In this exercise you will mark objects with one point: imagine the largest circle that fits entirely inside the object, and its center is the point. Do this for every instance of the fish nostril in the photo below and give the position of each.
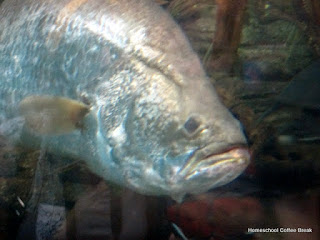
(192, 124)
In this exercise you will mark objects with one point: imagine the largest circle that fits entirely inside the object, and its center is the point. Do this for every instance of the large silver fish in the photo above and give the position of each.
(143, 113)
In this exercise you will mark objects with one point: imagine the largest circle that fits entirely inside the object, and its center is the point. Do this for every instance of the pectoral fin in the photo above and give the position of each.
(51, 114)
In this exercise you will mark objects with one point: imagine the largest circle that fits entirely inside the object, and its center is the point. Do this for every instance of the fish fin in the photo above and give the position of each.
(51, 115)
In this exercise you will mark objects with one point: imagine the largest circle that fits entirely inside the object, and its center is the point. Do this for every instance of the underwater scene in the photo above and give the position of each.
(160, 119)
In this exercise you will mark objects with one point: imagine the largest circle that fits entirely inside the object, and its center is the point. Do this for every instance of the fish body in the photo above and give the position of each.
(153, 122)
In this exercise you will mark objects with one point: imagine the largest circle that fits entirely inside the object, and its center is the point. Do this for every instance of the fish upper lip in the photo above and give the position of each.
(225, 150)
(206, 155)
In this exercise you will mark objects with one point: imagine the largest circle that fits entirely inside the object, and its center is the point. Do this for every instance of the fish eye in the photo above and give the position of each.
(192, 124)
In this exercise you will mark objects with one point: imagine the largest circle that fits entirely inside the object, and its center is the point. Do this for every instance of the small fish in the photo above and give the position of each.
(21, 202)
(116, 83)
(302, 91)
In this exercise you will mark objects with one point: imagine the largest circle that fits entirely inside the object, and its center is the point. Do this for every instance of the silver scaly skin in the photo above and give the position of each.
(155, 123)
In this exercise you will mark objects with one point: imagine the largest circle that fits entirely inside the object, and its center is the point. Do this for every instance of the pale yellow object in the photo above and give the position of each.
(52, 115)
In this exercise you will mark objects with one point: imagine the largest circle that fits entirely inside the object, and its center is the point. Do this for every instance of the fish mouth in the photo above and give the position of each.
(204, 159)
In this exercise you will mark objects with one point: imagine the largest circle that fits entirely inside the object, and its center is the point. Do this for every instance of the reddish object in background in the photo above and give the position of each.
(308, 13)
(312, 9)
(218, 217)
(299, 212)
(316, 7)
(226, 39)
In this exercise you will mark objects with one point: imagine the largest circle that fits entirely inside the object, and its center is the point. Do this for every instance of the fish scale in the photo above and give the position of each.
(114, 83)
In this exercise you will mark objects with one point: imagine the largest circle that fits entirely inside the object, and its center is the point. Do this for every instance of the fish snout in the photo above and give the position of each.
(226, 164)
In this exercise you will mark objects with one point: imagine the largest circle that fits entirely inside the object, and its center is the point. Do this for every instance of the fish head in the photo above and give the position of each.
(178, 138)
(214, 137)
